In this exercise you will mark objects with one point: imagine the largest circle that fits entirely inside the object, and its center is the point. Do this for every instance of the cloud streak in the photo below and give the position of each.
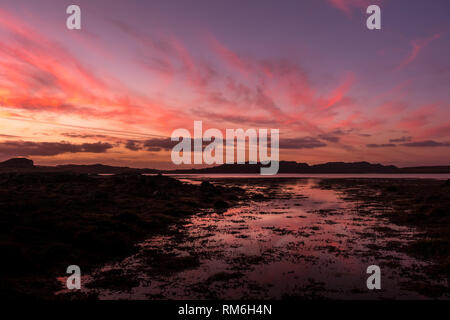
(30, 148)
(426, 144)
(402, 139)
(417, 46)
(383, 145)
(347, 6)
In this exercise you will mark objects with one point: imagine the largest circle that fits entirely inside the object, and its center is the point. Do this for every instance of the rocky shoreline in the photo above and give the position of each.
(52, 220)
(418, 203)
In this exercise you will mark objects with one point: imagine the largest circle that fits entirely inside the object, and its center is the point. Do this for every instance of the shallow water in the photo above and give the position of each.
(437, 176)
(304, 242)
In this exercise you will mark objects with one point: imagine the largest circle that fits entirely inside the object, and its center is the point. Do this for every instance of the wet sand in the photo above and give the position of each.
(294, 239)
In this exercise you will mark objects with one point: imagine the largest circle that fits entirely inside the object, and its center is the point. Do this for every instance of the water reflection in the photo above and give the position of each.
(304, 242)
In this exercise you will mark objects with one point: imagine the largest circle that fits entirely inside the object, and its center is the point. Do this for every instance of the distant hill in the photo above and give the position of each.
(295, 167)
(352, 167)
(27, 165)
(19, 163)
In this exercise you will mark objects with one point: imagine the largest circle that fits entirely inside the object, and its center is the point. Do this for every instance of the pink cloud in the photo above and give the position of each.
(347, 6)
(230, 57)
(419, 118)
(340, 92)
(40, 76)
(416, 47)
(391, 108)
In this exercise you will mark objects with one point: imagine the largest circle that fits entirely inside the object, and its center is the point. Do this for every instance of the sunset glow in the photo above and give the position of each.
(114, 91)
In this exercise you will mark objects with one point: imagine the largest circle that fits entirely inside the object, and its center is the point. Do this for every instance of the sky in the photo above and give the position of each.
(114, 91)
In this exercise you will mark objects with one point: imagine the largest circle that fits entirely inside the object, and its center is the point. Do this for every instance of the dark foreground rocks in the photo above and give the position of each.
(49, 221)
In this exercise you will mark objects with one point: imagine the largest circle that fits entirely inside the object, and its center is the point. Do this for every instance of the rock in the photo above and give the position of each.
(84, 239)
(21, 163)
(206, 185)
(128, 217)
(258, 196)
(439, 212)
(392, 189)
(13, 259)
(220, 204)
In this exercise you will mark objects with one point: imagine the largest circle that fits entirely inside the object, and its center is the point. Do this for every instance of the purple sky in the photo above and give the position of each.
(336, 90)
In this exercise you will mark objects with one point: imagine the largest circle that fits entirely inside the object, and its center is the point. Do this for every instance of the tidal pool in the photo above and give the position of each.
(293, 240)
